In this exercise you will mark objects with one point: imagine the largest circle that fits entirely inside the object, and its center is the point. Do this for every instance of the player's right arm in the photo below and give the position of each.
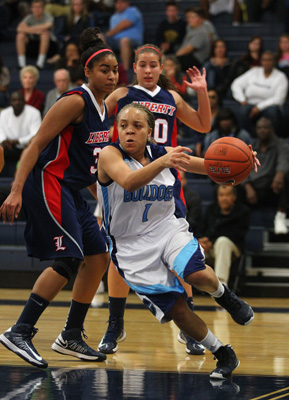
(111, 166)
(112, 99)
(67, 110)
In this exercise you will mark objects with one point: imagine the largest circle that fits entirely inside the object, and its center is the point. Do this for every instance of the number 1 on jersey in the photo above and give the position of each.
(145, 213)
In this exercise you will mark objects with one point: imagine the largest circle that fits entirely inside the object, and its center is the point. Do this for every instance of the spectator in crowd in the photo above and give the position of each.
(62, 84)
(29, 76)
(71, 62)
(254, 10)
(73, 24)
(218, 67)
(58, 8)
(223, 231)
(196, 45)
(270, 187)
(194, 211)
(282, 54)
(226, 125)
(126, 30)
(34, 35)
(18, 124)
(261, 91)
(252, 58)
(171, 30)
(172, 70)
(215, 8)
(4, 83)
(215, 105)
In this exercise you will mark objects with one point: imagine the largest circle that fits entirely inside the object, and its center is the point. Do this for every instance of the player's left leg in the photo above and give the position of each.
(70, 341)
(195, 327)
(192, 347)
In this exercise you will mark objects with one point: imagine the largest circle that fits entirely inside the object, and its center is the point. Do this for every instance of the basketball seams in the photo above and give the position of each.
(231, 170)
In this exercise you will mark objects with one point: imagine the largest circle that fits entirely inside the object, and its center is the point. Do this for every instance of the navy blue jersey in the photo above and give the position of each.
(162, 104)
(72, 156)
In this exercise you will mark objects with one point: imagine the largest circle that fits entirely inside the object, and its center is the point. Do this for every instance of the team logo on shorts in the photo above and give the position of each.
(58, 243)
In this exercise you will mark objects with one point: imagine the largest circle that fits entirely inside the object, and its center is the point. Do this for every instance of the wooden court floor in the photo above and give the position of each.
(150, 363)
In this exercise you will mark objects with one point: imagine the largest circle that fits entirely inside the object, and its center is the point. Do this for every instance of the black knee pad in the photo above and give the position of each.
(66, 267)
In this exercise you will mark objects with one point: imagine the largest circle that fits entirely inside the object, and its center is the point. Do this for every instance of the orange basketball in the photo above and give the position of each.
(228, 161)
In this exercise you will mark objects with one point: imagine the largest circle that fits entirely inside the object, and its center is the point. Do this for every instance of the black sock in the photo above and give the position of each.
(190, 303)
(76, 315)
(116, 306)
(33, 309)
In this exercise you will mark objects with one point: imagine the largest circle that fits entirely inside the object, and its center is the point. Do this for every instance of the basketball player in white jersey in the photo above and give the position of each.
(148, 243)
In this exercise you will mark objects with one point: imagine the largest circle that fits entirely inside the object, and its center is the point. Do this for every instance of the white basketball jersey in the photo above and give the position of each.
(128, 214)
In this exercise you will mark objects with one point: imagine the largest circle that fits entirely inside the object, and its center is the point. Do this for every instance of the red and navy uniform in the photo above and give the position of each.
(59, 220)
(162, 104)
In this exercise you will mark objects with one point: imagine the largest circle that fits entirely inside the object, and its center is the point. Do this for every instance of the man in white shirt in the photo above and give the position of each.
(18, 124)
(261, 91)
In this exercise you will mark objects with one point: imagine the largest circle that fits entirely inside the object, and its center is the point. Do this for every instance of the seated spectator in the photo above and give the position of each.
(193, 205)
(62, 83)
(252, 58)
(218, 67)
(173, 71)
(196, 46)
(282, 54)
(226, 125)
(73, 24)
(254, 10)
(270, 186)
(34, 36)
(57, 8)
(223, 231)
(215, 104)
(215, 8)
(71, 62)
(29, 77)
(18, 124)
(171, 30)
(126, 30)
(261, 91)
(4, 83)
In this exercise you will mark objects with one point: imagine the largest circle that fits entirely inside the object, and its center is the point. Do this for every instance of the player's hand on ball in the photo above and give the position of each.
(255, 159)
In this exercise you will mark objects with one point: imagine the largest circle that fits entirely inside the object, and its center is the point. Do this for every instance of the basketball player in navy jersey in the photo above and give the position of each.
(156, 92)
(135, 191)
(60, 161)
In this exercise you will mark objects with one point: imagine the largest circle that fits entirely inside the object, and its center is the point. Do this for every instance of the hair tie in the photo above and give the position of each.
(149, 47)
(95, 54)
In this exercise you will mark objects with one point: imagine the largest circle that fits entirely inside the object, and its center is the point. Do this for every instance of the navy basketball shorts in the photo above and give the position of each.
(59, 220)
(147, 263)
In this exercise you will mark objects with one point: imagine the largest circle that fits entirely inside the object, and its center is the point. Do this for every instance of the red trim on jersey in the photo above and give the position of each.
(182, 196)
(74, 91)
(115, 131)
(174, 134)
(55, 171)
(52, 192)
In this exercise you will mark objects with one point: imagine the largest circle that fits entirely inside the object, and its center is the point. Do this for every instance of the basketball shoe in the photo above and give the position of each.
(115, 333)
(227, 362)
(192, 347)
(70, 342)
(240, 311)
(18, 339)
